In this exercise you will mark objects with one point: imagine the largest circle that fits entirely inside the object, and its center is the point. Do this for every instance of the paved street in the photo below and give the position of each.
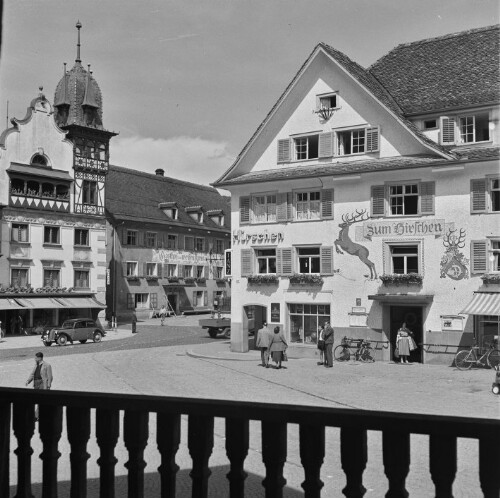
(198, 366)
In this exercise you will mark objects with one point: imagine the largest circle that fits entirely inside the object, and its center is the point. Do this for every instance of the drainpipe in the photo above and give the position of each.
(114, 320)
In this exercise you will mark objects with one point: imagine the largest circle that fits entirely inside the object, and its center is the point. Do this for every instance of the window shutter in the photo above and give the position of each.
(180, 271)
(478, 199)
(282, 207)
(124, 269)
(205, 271)
(195, 299)
(284, 150)
(144, 269)
(327, 204)
(205, 298)
(479, 256)
(372, 139)
(180, 241)
(326, 260)
(141, 238)
(447, 131)
(124, 236)
(130, 301)
(244, 210)
(165, 270)
(158, 270)
(427, 196)
(246, 262)
(378, 200)
(284, 260)
(326, 144)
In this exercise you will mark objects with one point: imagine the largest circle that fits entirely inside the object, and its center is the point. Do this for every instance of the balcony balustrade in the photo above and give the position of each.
(17, 419)
(84, 163)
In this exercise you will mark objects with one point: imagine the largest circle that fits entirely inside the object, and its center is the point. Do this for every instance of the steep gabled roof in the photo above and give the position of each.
(135, 195)
(366, 80)
(456, 70)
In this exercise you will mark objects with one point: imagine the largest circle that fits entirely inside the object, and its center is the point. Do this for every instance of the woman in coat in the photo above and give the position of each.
(403, 343)
(278, 346)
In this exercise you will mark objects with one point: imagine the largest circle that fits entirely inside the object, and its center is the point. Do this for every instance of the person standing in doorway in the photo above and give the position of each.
(41, 376)
(403, 344)
(328, 337)
(263, 341)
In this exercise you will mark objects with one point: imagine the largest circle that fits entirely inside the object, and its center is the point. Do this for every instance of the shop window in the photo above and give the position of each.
(171, 270)
(264, 208)
(131, 268)
(199, 244)
(486, 327)
(172, 241)
(81, 237)
(307, 205)
(51, 278)
(82, 279)
(19, 277)
(20, 232)
(305, 320)
(309, 259)
(51, 235)
(266, 260)
(132, 238)
(141, 300)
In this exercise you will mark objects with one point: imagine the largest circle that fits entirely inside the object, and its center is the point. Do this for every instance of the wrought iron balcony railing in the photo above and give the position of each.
(17, 419)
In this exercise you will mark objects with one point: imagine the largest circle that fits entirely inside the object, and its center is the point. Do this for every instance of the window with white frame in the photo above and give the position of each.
(82, 279)
(131, 237)
(308, 205)
(82, 237)
(404, 259)
(142, 300)
(266, 260)
(172, 241)
(151, 269)
(199, 244)
(189, 243)
(328, 101)
(494, 256)
(200, 271)
(264, 208)
(309, 259)
(306, 147)
(19, 277)
(20, 232)
(51, 278)
(351, 142)
(188, 271)
(495, 194)
(51, 235)
(199, 298)
(474, 128)
(131, 269)
(171, 270)
(403, 199)
(151, 238)
(485, 195)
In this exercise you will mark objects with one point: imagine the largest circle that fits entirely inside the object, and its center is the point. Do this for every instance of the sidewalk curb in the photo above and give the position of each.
(193, 354)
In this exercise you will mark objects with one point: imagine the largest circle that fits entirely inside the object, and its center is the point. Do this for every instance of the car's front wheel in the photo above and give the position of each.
(62, 340)
(97, 336)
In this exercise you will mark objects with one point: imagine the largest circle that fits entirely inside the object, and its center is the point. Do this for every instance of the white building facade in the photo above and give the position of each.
(355, 205)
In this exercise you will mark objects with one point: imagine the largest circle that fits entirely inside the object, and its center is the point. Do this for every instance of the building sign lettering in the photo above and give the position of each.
(403, 228)
(180, 257)
(264, 237)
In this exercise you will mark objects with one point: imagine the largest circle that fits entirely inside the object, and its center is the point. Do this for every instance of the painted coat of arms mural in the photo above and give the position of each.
(454, 263)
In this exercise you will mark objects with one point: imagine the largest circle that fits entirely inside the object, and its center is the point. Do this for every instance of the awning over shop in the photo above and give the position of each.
(81, 302)
(9, 304)
(483, 303)
(402, 298)
(39, 303)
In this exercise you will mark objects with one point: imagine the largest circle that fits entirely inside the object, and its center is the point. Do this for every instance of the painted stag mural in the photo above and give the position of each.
(344, 243)
(454, 263)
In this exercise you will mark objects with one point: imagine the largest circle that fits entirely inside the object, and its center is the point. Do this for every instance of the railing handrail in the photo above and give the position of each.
(311, 415)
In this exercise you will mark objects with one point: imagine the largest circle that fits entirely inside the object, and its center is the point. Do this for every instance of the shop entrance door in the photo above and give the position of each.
(172, 301)
(412, 316)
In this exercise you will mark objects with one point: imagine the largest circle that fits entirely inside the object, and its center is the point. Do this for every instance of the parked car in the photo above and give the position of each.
(77, 329)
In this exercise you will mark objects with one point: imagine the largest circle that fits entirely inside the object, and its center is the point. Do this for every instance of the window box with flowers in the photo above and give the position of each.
(221, 280)
(402, 278)
(491, 278)
(173, 279)
(151, 278)
(131, 278)
(306, 279)
(201, 280)
(189, 280)
(265, 279)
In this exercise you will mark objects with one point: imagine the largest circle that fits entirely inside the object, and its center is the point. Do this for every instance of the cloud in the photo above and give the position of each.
(186, 158)
(178, 37)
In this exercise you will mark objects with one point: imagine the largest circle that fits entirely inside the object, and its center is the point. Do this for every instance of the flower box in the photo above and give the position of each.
(491, 278)
(201, 280)
(152, 278)
(305, 279)
(132, 277)
(262, 279)
(173, 279)
(402, 279)
(189, 280)
(221, 281)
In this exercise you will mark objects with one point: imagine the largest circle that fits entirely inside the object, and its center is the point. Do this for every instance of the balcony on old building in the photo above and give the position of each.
(131, 419)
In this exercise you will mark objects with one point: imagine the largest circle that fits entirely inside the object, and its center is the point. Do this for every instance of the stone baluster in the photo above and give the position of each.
(396, 457)
(200, 444)
(237, 443)
(443, 463)
(312, 454)
(168, 438)
(50, 428)
(107, 432)
(135, 435)
(24, 426)
(489, 463)
(5, 408)
(274, 448)
(354, 455)
(78, 425)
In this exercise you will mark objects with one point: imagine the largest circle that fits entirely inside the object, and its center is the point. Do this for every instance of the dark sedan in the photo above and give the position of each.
(77, 329)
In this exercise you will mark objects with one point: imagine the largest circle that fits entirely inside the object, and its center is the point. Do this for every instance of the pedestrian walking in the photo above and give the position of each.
(163, 314)
(263, 341)
(321, 345)
(278, 347)
(134, 323)
(403, 344)
(328, 337)
(41, 376)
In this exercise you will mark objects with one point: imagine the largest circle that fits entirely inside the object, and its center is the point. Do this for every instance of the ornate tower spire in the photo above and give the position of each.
(78, 27)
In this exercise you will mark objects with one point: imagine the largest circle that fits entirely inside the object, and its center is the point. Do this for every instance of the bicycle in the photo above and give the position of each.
(466, 358)
(362, 353)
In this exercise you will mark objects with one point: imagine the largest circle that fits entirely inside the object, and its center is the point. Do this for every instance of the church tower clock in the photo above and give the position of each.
(78, 110)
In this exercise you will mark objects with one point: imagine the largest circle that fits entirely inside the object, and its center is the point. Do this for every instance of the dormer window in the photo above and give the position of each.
(217, 216)
(170, 209)
(196, 213)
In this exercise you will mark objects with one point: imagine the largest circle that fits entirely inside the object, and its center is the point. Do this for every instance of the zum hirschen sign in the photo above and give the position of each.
(402, 228)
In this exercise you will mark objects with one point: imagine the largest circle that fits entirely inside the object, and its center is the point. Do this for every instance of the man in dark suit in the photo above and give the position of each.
(328, 336)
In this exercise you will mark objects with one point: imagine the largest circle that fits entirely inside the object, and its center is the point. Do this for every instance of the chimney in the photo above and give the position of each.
(159, 172)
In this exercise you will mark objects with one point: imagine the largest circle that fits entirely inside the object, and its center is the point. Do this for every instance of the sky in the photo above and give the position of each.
(186, 83)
